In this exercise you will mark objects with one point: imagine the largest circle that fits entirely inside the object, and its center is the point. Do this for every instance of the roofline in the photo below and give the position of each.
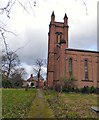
(80, 50)
(59, 22)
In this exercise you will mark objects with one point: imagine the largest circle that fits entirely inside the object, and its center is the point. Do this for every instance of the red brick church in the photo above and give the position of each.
(63, 61)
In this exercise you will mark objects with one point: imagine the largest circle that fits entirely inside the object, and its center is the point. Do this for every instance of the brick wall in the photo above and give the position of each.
(59, 54)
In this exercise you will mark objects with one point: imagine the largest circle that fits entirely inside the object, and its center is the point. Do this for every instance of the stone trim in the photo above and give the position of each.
(87, 80)
(79, 50)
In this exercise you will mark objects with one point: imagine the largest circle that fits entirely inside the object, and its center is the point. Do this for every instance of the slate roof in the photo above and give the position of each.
(34, 78)
(81, 50)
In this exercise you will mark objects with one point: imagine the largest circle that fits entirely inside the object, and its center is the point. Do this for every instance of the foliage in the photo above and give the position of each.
(6, 82)
(84, 90)
(16, 103)
(69, 82)
(57, 86)
(65, 84)
(16, 80)
(87, 89)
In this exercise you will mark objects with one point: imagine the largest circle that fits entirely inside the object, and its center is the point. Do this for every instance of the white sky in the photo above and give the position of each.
(32, 29)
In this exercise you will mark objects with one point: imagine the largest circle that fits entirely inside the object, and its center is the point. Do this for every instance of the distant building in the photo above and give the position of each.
(33, 81)
(41, 81)
(63, 61)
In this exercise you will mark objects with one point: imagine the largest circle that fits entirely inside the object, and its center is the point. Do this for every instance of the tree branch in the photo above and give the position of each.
(84, 3)
(6, 45)
(2, 30)
(8, 7)
(31, 7)
(23, 6)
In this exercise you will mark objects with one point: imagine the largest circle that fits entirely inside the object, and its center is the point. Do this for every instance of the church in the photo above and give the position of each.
(63, 61)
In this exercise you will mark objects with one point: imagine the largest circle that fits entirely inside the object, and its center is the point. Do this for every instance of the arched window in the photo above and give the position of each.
(86, 69)
(70, 67)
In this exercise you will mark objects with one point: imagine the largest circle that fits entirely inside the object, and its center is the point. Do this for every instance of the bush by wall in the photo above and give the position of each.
(85, 90)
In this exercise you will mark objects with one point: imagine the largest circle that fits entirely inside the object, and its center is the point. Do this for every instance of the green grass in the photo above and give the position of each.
(71, 105)
(16, 103)
(0, 103)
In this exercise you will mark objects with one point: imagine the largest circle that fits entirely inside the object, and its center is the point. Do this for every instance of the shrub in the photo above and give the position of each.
(96, 90)
(85, 90)
(92, 89)
(68, 83)
(88, 90)
(6, 84)
(77, 90)
(58, 87)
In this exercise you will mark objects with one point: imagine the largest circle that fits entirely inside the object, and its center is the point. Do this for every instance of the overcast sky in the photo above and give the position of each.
(32, 28)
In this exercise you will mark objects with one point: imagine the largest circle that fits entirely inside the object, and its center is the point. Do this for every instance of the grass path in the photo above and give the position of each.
(40, 108)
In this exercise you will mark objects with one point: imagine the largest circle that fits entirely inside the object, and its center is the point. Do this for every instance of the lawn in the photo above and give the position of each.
(71, 105)
(0, 103)
(16, 103)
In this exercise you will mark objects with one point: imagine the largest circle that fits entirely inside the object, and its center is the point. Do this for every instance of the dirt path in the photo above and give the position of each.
(40, 108)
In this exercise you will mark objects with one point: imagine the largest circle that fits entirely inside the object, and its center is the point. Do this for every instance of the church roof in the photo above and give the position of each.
(30, 79)
(34, 78)
(81, 50)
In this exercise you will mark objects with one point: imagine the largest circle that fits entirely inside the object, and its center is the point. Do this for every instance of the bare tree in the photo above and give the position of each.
(38, 68)
(23, 3)
(9, 62)
(20, 71)
(7, 7)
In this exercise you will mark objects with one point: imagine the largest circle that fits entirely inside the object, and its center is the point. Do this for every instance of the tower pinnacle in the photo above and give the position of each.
(52, 18)
(65, 20)
(53, 14)
(65, 16)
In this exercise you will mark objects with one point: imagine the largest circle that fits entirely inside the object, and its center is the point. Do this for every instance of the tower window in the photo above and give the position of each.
(59, 37)
(70, 67)
(86, 69)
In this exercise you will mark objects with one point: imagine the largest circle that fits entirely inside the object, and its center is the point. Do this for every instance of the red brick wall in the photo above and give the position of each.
(78, 67)
(53, 69)
(58, 56)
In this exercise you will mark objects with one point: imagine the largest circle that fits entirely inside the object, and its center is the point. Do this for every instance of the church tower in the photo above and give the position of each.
(57, 43)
